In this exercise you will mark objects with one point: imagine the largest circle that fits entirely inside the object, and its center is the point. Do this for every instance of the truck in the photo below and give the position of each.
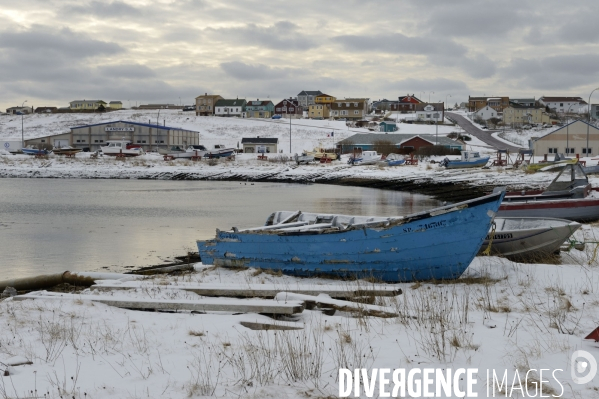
(11, 145)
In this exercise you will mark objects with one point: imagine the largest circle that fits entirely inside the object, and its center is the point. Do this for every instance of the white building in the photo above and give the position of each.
(430, 112)
(565, 104)
(486, 113)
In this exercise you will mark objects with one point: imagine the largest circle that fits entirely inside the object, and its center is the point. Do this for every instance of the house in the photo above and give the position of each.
(523, 102)
(264, 145)
(319, 111)
(230, 108)
(354, 109)
(387, 126)
(259, 109)
(306, 98)
(407, 104)
(430, 112)
(289, 107)
(569, 139)
(115, 105)
(45, 110)
(86, 105)
(497, 103)
(324, 99)
(94, 136)
(384, 105)
(19, 110)
(564, 104)
(405, 142)
(205, 104)
(519, 115)
(485, 113)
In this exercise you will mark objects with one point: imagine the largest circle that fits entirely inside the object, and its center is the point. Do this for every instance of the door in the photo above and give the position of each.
(59, 143)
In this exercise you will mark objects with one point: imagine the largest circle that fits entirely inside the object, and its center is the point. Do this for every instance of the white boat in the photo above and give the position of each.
(365, 158)
(303, 159)
(122, 147)
(528, 238)
(172, 150)
(220, 151)
(470, 159)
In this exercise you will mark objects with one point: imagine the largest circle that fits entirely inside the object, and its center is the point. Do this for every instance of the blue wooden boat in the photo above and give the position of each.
(393, 160)
(31, 150)
(470, 159)
(436, 244)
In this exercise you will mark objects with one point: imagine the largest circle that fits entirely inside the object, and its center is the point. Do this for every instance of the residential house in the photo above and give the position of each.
(517, 116)
(45, 110)
(86, 105)
(564, 104)
(485, 113)
(319, 111)
(497, 103)
(260, 109)
(205, 104)
(384, 105)
(19, 110)
(430, 112)
(115, 105)
(523, 102)
(569, 139)
(289, 107)
(407, 104)
(403, 142)
(324, 99)
(354, 109)
(307, 98)
(259, 144)
(230, 108)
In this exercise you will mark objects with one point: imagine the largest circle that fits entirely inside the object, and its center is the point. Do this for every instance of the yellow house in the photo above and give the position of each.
(115, 105)
(205, 104)
(80, 105)
(516, 116)
(324, 99)
(319, 111)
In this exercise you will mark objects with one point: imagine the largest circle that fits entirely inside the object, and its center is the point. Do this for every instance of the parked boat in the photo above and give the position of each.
(365, 158)
(528, 238)
(569, 196)
(470, 159)
(66, 150)
(393, 160)
(435, 244)
(172, 150)
(124, 147)
(220, 151)
(31, 150)
(303, 159)
(320, 152)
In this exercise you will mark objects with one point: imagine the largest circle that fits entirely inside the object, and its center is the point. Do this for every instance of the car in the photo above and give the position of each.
(484, 127)
(276, 117)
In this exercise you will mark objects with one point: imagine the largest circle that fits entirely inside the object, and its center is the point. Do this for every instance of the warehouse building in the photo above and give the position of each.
(92, 137)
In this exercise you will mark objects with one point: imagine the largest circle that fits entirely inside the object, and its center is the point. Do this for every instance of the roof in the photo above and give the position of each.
(259, 140)
(309, 93)
(436, 106)
(87, 101)
(115, 102)
(136, 124)
(258, 103)
(562, 99)
(564, 127)
(230, 103)
(396, 138)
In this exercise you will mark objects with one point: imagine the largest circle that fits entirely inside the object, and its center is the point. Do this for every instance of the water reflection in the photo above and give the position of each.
(49, 226)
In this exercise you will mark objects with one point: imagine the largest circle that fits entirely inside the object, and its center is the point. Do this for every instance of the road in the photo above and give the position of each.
(483, 135)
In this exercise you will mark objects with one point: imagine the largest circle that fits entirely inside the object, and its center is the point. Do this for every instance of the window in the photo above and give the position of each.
(356, 112)
(79, 141)
(139, 141)
(101, 141)
(428, 116)
(161, 141)
(587, 150)
(569, 150)
(83, 141)
(43, 141)
(561, 104)
(553, 150)
(95, 141)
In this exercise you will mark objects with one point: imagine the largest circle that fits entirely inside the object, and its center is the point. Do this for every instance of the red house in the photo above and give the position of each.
(289, 107)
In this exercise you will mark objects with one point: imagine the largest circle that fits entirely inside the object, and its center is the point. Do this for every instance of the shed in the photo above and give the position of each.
(387, 127)
(260, 145)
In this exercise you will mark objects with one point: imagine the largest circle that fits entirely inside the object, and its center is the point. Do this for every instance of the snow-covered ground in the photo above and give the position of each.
(502, 316)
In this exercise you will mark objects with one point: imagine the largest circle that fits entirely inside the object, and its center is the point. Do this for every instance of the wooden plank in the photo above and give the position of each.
(260, 290)
(200, 305)
(269, 326)
(324, 301)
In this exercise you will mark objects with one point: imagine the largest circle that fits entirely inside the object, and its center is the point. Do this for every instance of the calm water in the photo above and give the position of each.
(53, 225)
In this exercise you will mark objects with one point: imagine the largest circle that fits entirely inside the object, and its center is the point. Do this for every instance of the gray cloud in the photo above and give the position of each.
(127, 71)
(399, 43)
(104, 9)
(243, 71)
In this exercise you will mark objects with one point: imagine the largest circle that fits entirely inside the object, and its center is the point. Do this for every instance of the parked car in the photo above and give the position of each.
(276, 116)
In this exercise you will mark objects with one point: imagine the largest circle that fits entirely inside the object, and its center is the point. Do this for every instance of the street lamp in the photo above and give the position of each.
(429, 96)
(22, 134)
(568, 130)
(589, 120)
(446, 100)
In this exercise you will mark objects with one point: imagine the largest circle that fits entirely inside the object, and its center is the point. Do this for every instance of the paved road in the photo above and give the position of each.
(483, 135)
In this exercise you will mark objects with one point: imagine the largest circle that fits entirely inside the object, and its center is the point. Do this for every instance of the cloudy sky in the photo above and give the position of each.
(56, 51)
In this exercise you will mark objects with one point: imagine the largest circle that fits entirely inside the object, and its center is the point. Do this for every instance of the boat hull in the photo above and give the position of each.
(439, 244)
(528, 238)
(578, 209)
(479, 163)
(29, 151)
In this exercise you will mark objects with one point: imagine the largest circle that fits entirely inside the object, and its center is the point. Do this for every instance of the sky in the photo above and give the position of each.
(139, 52)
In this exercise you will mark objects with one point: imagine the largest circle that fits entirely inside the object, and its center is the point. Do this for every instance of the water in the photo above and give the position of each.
(53, 225)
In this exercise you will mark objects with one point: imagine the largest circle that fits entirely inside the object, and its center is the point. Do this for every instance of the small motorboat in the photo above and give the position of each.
(122, 148)
(303, 159)
(172, 150)
(569, 196)
(66, 150)
(365, 158)
(220, 151)
(393, 160)
(435, 244)
(470, 159)
(527, 238)
(31, 150)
